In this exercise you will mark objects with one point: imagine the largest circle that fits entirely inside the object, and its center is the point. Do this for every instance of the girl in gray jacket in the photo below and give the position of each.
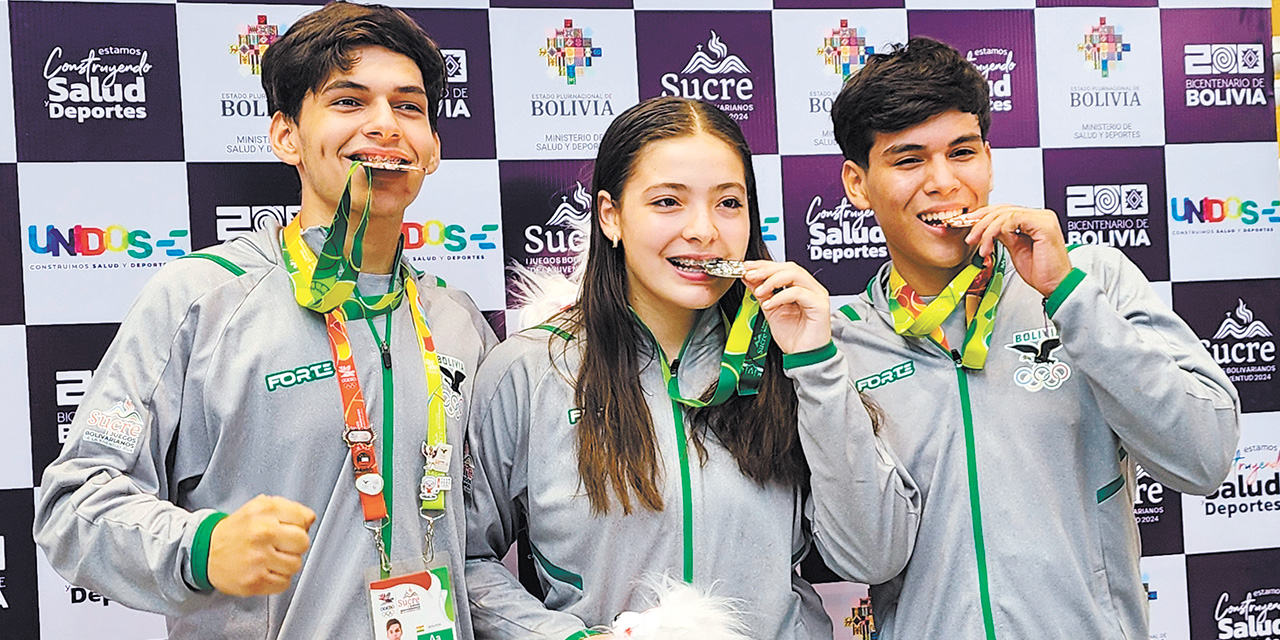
(651, 428)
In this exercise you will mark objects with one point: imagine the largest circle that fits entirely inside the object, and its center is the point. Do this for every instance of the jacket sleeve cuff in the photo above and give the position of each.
(812, 356)
(200, 550)
(1063, 290)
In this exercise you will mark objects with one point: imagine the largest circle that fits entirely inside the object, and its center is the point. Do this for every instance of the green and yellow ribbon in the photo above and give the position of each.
(979, 285)
(741, 365)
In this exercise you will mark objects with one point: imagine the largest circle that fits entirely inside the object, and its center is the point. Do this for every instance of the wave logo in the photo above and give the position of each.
(692, 82)
(234, 221)
(845, 50)
(251, 42)
(565, 230)
(1243, 326)
(81, 240)
(1042, 370)
(765, 226)
(1213, 210)
(569, 52)
(453, 237)
(1103, 47)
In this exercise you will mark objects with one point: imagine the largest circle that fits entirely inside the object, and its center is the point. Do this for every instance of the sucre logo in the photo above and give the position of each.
(1244, 346)
(728, 84)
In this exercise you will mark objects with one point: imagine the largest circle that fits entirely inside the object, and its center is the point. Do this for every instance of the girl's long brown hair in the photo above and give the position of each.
(617, 447)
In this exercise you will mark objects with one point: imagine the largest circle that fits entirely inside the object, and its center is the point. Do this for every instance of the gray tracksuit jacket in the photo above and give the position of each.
(231, 397)
(1076, 390)
(741, 539)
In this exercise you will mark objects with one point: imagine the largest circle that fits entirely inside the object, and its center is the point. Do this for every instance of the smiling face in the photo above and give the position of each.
(917, 177)
(375, 111)
(685, 200)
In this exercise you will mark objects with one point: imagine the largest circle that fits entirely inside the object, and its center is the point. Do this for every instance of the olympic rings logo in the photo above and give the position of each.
(1042, 375)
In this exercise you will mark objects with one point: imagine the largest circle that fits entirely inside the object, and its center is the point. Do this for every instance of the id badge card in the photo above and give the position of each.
(415, 603)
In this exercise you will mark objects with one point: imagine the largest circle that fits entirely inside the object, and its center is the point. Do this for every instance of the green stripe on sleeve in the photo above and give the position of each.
(812, 356)
(1064, 289)
(200, 550)
(563, 575)
(556, 330)
(221, 261)
(849, 313)
(1111, 489)
(585, 633)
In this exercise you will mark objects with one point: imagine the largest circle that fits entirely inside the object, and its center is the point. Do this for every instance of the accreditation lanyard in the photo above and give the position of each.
(303, 266)
(979, 285)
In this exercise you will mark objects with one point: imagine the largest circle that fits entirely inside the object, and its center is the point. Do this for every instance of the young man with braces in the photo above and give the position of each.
(1021, 380)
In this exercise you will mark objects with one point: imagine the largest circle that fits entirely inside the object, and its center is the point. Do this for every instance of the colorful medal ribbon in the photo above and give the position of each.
(741, 366)
(327, 282)
(327, 285)
(979, 284)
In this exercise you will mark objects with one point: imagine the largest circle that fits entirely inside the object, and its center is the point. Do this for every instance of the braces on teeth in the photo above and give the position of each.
(961, 218)
(386, 165)
(718, 267)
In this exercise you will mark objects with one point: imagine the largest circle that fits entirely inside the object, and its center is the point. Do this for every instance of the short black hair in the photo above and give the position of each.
(900, 89)
(324, 41)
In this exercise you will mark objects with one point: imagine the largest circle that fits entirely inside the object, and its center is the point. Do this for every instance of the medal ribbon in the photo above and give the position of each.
(742, 364)
(327, 282)
(979, 284)
(317, 282)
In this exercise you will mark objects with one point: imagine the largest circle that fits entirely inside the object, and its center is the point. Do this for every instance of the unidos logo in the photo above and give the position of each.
(253, 41)
(1214, 75)
(569, 52)
(842, 233)
(1113, 215)
(1244, 346)
(1103, 47)
(81, 240)
(451, 237)
(108, 83)
(1247, 213)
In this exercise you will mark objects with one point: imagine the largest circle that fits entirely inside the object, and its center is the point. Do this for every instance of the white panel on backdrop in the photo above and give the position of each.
(69, 611)
(955, 5)
(224, 110)
(454, 229)
(552, 97)
(1244, 513)
(94, 233)
(8, 141)
(702, 4)
(1099, 94)
(1212, 4)
(809, 72)
(15, 430)
(1164, 291)
(1224, 204)
(768, 170)
(1165, 578)
(1018, 177)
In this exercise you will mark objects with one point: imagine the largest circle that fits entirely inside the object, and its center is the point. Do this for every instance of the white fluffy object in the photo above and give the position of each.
(540, 294)
(683, 612)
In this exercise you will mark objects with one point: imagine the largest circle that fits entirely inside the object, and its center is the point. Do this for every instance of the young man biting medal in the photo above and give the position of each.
(1021, 381)
(272, 446)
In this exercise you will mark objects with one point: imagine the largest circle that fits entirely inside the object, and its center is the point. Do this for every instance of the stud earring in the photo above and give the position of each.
(615, 242)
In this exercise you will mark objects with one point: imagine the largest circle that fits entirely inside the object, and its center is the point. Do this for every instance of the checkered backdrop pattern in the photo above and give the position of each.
(132, 133)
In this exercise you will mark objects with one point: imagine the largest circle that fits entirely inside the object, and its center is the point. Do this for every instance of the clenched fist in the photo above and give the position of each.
(256, 550)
